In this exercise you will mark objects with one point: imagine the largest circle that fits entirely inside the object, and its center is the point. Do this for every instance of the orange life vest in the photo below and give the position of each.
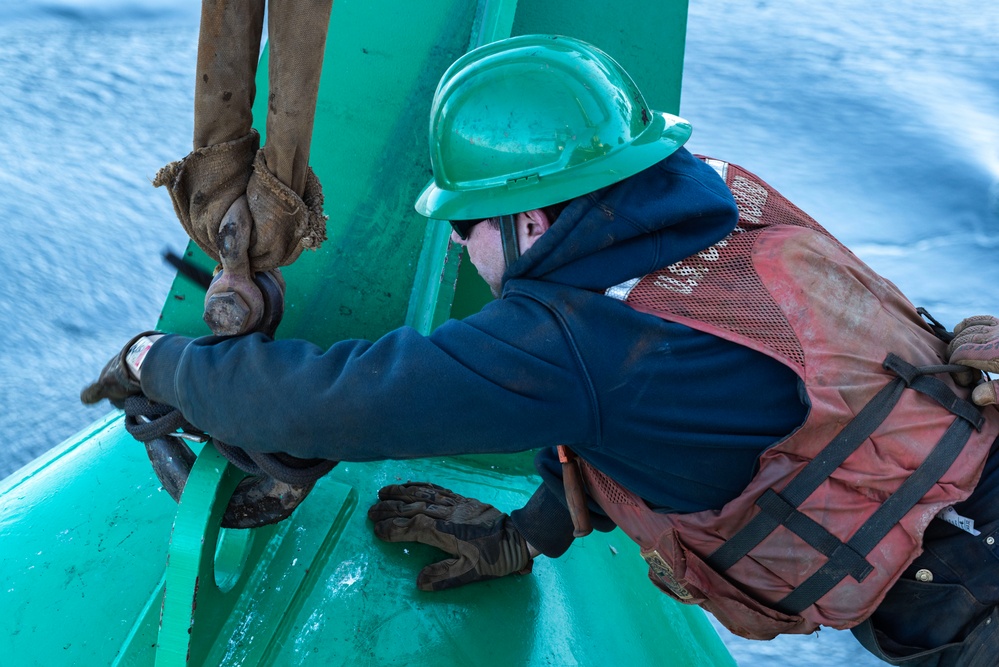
(837, 510)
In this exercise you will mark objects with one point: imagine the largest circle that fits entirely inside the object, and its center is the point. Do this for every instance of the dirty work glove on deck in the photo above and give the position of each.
(117, 382)
(976, 345)
(483, 540)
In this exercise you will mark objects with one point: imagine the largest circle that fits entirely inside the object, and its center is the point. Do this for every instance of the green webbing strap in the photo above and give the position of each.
(850, 558)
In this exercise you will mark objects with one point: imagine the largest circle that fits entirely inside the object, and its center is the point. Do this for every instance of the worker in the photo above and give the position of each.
(772, 422)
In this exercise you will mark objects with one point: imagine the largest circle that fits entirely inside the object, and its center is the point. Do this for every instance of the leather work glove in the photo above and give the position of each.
(120, 377)
(976, 345)
(284, 196)
(484, 542)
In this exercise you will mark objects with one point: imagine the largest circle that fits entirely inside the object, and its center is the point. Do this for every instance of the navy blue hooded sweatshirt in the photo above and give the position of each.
(675, 415)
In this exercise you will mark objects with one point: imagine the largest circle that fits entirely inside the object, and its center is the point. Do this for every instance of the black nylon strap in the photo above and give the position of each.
(282, 467)
(816, 536)
(881, 522)
(917, 378)
(939, 330)
(166, 420)
(291, 469)
(239, 458)
(146, 420)
(812, 475)
(850, 558)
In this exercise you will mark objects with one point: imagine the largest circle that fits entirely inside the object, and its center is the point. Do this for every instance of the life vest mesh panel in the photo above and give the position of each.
(610, 489)
(715, 285)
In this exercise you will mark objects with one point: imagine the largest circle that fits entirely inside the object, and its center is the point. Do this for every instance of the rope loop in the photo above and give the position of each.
(277, 483)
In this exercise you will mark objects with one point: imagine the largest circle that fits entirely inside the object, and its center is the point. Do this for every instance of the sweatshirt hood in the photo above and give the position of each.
(643, 223)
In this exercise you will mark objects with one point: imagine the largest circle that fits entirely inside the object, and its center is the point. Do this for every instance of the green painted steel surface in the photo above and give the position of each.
(85, 530)
(85, 536)
(84, 533)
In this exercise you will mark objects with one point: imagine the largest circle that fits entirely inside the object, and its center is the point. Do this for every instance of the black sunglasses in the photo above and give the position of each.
(464, 227)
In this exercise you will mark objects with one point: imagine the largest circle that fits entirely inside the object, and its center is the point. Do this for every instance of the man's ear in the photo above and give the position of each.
(530, 226)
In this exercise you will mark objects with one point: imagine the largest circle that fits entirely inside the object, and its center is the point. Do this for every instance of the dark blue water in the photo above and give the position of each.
(92, 102)
(879, 119)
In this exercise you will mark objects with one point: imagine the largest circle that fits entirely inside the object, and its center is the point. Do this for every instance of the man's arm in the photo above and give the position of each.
(481, 385)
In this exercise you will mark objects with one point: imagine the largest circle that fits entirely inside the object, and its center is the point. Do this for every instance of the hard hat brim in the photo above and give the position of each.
(469, 204)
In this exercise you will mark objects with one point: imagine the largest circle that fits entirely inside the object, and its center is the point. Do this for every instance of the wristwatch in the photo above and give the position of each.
(137, 353)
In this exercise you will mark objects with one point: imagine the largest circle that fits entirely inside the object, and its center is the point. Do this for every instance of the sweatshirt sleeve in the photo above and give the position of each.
(545, 521)
(504, 380)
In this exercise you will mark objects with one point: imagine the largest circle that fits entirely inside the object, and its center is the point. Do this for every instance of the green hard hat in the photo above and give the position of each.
(535, 120)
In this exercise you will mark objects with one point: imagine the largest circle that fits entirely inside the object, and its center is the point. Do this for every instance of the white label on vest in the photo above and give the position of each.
(750, 198)
(718, 166)
(950, 515)
(687, 274)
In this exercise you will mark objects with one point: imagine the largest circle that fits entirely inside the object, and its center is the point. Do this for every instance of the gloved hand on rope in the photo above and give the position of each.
(146, 420)
(119, 383)
(976, 345)
(279, 481)
(484, 542)
(120, 377)
(284, 196)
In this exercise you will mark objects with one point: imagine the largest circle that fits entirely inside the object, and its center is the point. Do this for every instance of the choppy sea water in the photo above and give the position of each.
(879, 119)
(94, 100)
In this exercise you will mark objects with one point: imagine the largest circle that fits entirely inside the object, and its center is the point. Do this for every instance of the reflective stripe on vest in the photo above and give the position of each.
(837, 510)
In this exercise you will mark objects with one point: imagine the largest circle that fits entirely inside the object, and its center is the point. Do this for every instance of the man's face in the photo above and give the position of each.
(485, 244)
(485, 249)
